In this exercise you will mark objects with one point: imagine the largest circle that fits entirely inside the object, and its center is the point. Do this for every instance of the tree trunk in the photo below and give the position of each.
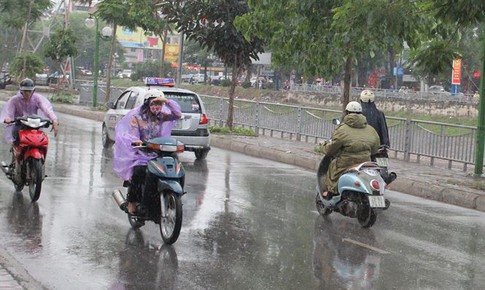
(162, 58)
(232, 90)
(110, 63)
(347, 80)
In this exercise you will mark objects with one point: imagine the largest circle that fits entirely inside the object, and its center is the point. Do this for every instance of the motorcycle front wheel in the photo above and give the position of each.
(366, 216)
(171, 217)
(35, 174)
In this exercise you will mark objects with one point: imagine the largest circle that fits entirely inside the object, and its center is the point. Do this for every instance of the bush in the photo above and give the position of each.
(64, 98)
(234, 131)
(226, 83)
(246, 85)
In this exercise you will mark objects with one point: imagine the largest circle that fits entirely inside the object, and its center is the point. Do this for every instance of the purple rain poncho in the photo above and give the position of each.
(18, 106)
(138, 124)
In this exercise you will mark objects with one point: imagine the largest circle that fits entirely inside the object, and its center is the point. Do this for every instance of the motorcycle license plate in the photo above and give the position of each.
(382, 162)
(377, 201)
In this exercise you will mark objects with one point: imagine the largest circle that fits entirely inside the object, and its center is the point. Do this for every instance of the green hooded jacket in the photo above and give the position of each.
(352, 142)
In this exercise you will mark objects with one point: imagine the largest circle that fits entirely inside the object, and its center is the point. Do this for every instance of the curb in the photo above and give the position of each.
(421, 189)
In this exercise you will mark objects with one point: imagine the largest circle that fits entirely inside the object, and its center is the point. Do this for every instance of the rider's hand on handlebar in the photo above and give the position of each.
(137, 143)
(55, 127)
(7, 120)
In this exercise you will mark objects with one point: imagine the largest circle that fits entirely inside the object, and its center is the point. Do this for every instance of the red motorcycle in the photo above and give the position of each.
(28, 155)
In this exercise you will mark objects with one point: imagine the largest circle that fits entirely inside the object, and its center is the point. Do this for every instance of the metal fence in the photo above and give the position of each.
(387, 93)
(416, 140)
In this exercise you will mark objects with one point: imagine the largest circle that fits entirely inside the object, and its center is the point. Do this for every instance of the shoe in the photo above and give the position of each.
(131, 207)
(327, 195)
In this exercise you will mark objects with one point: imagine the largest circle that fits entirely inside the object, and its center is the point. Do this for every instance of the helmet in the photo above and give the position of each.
(367, 96)
(27, 85)
(353, 107)
(153, 94)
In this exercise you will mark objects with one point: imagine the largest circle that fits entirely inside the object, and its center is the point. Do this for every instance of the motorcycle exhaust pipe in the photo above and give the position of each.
(120, 199)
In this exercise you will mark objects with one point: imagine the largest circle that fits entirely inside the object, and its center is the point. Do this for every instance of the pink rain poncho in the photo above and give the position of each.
(18, 106)
(139, 125)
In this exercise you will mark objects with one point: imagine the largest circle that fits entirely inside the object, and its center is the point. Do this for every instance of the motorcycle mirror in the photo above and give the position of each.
(336, 121)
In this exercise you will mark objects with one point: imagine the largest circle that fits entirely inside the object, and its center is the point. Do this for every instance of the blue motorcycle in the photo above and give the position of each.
(161, 204)
(360, 192)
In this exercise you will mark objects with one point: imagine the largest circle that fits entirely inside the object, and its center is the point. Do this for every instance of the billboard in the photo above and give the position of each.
(141, 40)
(456, 73)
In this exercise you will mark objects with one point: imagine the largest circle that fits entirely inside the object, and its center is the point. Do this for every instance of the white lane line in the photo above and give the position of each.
(366, 246)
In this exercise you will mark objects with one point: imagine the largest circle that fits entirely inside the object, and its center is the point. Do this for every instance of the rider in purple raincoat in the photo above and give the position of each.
(155, 118)
(26, 102)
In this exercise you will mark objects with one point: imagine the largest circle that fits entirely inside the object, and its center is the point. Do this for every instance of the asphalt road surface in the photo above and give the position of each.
(248, 224)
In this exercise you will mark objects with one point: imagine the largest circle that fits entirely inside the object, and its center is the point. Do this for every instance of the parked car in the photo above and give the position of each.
(125, 74)
(192, 129)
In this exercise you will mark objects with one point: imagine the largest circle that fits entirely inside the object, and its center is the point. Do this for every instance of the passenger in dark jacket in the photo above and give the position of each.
(352, 142)
(375, 117)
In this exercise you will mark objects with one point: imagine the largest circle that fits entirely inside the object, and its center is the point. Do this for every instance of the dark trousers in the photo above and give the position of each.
(142, 185)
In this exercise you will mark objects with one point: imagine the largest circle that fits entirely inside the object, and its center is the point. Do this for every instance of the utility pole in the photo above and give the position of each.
(481, 120)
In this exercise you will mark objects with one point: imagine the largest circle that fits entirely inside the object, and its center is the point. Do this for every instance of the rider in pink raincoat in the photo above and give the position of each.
(155, 118)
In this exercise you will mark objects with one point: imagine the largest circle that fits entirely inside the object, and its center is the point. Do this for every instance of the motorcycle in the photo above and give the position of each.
(360, 192)
(28, 155)
(162, 205)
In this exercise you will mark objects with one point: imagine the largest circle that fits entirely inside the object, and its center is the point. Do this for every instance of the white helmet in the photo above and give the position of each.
(367, 96)
(353, 107)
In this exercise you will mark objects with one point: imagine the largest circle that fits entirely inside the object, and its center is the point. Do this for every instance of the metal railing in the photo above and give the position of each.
(411, 140)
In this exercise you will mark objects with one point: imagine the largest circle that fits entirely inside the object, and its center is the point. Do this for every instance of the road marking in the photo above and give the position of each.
(366, 246)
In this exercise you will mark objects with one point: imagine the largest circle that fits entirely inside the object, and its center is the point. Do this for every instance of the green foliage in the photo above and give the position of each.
(62, 97)
(226, 83)
(15, 13)
(152, 68)
(246, 85)
(33, 64)
(234, 131)
(61, 45)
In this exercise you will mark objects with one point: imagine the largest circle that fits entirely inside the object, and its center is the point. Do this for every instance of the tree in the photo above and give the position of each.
(327, 38)
(211, 24)
(26, 65)
(115, 13)
(61, 45)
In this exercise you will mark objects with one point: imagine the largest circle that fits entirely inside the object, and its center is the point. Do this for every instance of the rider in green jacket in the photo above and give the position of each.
(354, 141)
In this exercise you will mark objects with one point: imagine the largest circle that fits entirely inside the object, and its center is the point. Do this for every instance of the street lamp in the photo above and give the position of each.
(106, 32)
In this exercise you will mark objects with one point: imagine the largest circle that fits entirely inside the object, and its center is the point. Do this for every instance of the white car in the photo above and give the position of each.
(192, 129)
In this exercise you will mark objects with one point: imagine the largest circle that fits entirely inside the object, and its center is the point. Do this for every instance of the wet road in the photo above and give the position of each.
(248, 224)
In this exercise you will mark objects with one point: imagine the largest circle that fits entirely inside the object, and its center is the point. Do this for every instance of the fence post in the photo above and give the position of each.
(299, 125)
(408, 140)
(256, 127)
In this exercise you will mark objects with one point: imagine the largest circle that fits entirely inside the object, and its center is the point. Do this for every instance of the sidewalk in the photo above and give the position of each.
(440, 184)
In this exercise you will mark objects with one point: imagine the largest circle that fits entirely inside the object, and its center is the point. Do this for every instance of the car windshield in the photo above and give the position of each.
(188, 102)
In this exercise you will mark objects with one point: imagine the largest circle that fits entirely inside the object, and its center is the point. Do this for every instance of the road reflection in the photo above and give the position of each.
(146, 266)
(25, 221)
(341, 259)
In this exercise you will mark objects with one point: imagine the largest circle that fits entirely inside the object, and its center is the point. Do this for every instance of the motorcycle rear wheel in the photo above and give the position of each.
(171, 218)
(366, 216)
(35, 174)
(321, 208)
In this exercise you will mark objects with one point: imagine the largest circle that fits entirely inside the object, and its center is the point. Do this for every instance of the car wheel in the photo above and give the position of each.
(201, 154)
(107, 142)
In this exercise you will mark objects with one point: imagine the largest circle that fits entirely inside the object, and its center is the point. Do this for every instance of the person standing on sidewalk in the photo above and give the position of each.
(352, 142)
(374, 116)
